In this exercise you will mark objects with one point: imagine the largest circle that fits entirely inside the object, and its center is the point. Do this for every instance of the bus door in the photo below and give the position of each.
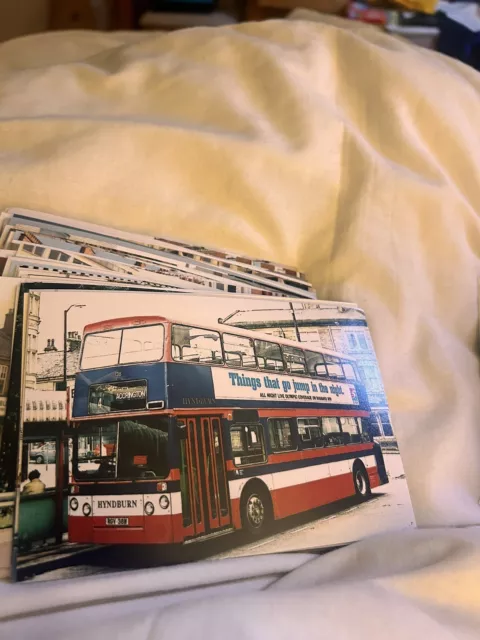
(207, 481)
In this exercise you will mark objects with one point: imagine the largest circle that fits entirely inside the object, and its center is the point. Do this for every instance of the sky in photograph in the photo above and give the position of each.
(107, 305)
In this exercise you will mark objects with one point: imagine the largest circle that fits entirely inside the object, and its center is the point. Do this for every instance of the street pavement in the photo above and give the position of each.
(388, 509)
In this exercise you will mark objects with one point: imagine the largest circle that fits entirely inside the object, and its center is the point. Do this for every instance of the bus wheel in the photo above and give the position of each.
(361, 482)
(256, 510)
(39, 460)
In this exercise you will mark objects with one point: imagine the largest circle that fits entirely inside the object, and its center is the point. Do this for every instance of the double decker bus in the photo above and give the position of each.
(182, 432)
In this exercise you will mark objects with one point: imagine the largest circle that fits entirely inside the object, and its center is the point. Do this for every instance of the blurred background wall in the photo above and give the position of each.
(21, 17)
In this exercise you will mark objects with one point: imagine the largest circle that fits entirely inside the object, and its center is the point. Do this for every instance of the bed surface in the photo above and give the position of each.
(330, 146)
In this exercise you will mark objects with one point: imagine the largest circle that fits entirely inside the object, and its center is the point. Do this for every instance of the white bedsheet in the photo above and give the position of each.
(415, 584)
(334, 147)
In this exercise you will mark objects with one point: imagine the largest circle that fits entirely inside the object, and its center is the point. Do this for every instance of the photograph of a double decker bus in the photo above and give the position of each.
(180, 428)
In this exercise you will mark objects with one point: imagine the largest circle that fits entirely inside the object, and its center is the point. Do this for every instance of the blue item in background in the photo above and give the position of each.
(459, 37)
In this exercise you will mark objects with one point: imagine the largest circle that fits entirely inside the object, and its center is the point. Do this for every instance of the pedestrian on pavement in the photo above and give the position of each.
(35, 485)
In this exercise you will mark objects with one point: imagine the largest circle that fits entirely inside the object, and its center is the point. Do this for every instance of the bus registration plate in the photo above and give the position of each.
(117, 522)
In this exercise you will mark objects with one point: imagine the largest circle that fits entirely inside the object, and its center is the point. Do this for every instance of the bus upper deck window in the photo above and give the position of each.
(295, 360)
(191, 344)
(315, 364)
(101, 349)
(239, 351)
(349, 371)
(142, 344)
(269, 355)
(334, 367)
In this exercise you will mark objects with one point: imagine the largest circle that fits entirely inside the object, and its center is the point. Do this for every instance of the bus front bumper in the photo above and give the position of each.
(86, 525)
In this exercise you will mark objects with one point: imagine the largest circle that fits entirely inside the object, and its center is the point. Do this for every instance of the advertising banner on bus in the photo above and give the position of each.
(231, 384)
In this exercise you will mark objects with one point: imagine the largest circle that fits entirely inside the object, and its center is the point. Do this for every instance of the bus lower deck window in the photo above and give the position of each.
(281, 436)
(330, 425)
(310, 432)
(247, 444)
(349, 425)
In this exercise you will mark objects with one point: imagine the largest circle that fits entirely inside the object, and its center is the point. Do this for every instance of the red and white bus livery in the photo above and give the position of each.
(183, 431)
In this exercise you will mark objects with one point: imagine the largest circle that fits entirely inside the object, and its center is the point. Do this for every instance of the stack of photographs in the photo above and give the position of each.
(39, 246)
(157, 395)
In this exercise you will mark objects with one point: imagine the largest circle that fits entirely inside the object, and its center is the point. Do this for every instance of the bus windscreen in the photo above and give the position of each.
(127, 449)
(123, 346)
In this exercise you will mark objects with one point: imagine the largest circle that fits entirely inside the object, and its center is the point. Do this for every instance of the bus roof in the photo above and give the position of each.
(138, 321)
(122, 323)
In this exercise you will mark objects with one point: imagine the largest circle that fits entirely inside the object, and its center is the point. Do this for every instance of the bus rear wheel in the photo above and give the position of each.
(256, 511)
(361, 482)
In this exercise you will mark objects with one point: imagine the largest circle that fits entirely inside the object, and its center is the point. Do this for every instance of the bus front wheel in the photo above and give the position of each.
(256, 510)
(361, 482)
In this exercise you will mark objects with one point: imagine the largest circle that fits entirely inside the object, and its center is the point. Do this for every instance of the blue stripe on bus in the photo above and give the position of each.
(168, 382)
(261, 469)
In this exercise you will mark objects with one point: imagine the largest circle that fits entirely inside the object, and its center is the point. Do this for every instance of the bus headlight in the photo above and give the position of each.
(87, 509)
(149, 508)
(164, 502)
(73, 504)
